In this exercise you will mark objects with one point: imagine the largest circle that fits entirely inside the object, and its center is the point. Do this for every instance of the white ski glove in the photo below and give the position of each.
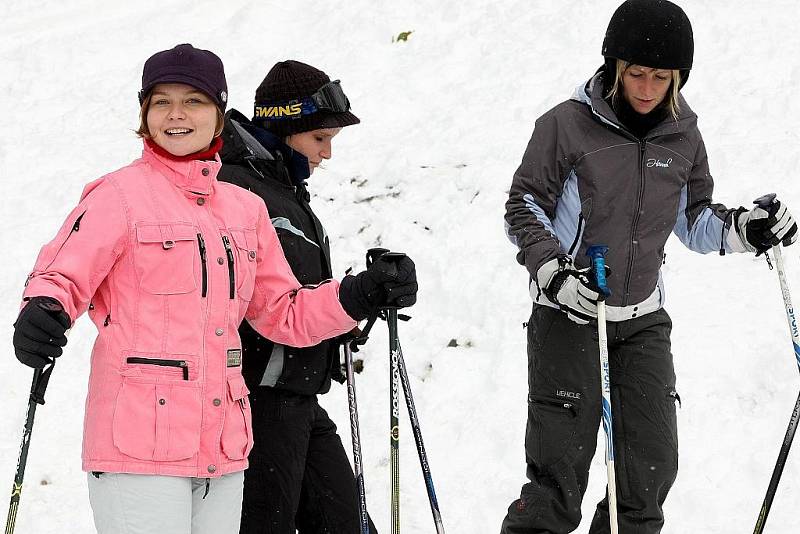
(766, 225)
(572, 289)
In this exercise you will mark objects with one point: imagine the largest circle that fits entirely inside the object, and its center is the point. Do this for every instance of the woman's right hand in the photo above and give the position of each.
(40, 332)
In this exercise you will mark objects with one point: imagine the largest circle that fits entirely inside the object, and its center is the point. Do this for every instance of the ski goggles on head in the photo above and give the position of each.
(330, 97)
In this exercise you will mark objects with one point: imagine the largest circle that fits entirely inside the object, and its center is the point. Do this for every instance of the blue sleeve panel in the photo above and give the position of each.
(565, 226)
(706, 234)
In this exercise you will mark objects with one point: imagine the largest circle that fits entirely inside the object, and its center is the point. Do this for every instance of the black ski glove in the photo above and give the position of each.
(386, 282)
(39, 332)
(766, 225)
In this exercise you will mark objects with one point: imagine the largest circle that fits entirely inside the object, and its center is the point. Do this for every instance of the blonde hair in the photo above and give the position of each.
(671, 98)
(144, 131)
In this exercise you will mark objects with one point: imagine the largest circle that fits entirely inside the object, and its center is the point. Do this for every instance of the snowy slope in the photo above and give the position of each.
(446, 117)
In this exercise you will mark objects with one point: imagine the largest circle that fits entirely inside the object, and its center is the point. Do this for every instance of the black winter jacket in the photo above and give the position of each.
(260, 162)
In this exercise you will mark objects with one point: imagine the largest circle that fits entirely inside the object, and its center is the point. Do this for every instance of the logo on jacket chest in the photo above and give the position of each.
(653, 162)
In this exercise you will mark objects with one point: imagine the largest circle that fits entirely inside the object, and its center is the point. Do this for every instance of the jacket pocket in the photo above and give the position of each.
(237, 431)
(246, 246)
(552, 425)
(157, 420)
(165, 257)
(145, 364)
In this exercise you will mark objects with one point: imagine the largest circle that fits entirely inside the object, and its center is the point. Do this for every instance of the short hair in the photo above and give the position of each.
(144, 131)
(672, 102)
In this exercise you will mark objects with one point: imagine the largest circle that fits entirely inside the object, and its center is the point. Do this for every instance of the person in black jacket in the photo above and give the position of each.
(299, 477)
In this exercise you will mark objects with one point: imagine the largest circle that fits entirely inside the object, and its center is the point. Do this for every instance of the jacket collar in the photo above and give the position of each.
(591, 94)
(245, 141)
(195, 176)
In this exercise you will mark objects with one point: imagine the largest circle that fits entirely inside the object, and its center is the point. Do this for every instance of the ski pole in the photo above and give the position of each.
(423, 457)
(390, 314)
(38, 387)
(783, 454)
(597, 255)
(356, 436)
(394, 418)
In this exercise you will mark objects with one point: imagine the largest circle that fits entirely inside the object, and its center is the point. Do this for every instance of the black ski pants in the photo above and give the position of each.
(564, 414)
(299, 479)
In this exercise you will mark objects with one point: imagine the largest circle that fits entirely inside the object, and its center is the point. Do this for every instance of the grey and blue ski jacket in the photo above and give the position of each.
(585, 180)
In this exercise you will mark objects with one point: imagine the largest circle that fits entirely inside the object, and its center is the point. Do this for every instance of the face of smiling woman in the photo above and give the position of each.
(181, 119)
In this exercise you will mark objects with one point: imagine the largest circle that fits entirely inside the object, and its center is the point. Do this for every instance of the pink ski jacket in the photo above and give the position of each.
(168, 261)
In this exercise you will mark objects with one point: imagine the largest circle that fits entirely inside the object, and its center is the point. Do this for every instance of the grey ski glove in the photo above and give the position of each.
(766, 225)
(574, 290)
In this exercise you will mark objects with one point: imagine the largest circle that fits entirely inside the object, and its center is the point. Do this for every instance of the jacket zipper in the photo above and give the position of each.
(229, 252)
(76, 226)
(162, 363)
(201, 244)
(642, 147)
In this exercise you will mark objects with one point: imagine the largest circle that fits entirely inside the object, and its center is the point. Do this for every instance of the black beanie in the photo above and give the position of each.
(650, 33)
(293, 80)
(201, 69)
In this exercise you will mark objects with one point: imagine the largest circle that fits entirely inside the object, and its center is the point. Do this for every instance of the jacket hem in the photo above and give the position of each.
(159, 468)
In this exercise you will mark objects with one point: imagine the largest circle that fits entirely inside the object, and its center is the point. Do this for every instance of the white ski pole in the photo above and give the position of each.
(597, 255)
(783, 454)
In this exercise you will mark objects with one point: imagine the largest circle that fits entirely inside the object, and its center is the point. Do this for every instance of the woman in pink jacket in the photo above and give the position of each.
(168, 261)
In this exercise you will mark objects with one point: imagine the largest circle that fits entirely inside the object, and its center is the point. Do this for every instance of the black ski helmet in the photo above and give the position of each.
(650, 33)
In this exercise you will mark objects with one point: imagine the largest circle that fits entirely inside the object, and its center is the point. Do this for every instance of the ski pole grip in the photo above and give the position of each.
(391, 257)
(597, 255)
(766, 201)
(375, 253)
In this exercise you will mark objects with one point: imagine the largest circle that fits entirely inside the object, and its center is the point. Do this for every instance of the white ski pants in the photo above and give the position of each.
(150, 504)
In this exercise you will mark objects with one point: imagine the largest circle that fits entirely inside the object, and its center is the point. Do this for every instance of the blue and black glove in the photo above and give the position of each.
(40, 332)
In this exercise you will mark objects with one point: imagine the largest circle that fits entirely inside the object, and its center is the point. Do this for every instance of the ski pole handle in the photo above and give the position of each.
(597, 254)
(764, 202)
(374, 254)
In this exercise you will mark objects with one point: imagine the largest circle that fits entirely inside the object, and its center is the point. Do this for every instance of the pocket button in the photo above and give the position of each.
(217, 402)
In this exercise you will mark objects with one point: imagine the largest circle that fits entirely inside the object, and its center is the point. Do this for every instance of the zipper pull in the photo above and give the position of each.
(229, 252)
(185, 366)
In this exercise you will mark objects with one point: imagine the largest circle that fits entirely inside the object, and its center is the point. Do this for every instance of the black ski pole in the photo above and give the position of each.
(792, 428)
(778, 471)
(423, 456)
(38, 387)
(394, 418)
(356, 436)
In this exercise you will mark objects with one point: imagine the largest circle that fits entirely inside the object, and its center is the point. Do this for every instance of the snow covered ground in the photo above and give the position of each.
(446, 116)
